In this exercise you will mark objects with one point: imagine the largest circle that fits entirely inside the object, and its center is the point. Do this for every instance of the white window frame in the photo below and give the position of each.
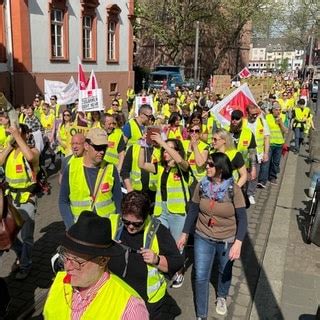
(55, 25)
(87, 37)
(112, 40)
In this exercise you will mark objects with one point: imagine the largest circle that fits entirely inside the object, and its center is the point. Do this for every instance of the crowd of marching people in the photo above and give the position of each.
(138, 183)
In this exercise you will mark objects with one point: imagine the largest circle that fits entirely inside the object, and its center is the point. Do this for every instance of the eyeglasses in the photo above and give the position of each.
(149, 116)
(76, 263)
(216, 139)
(210, 164)
(98, 148)
(136, 224)
(115, 105)
(194, 130)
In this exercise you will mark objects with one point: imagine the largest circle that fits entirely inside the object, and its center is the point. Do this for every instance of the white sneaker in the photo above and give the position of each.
(177, 280)
(251, 200)
(221, 307)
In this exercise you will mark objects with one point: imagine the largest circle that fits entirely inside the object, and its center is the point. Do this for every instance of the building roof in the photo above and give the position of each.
(272, 44)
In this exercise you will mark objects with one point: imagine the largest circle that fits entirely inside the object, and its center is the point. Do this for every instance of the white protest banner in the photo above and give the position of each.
(90, 100)
(143, 100)
(66, 93)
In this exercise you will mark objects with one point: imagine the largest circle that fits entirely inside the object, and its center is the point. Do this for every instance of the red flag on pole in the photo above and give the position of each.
(82, 84)
(92, 83)
(238, 99)
(244, 73)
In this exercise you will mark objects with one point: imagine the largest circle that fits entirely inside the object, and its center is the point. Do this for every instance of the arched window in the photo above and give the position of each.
(113, 12)
(59, 30)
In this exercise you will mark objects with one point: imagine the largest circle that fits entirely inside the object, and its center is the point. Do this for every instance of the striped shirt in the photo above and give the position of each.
(135, 308)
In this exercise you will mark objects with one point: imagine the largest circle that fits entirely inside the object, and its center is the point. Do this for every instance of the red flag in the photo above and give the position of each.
(92, 83)
(238, 99)
(82, 83)
(244, 73)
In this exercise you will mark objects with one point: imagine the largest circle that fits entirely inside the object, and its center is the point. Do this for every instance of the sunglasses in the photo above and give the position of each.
(137, 224)
(194, 130)
(210, 164)
(98, 148)
(115, 105)
(235, 118)
(149, 116)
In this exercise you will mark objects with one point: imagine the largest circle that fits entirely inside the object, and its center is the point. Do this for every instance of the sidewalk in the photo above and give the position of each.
(290, 267)
(277, 277)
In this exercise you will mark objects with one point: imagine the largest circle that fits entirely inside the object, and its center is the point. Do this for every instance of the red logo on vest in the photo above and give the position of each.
(192, 161)
(261, 130)
(245, 143)
(105, 187)
(19, 168)
(176, 177)
(111, 144)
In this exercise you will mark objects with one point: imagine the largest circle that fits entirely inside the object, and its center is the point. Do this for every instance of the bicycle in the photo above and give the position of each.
(313, 224)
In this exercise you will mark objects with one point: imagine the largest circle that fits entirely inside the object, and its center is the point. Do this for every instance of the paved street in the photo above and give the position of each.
(277, 277)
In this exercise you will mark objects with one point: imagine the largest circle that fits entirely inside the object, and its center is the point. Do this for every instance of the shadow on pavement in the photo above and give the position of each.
(23, 293)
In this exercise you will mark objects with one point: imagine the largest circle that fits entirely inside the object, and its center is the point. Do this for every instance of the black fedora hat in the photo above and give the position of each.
(91, 235)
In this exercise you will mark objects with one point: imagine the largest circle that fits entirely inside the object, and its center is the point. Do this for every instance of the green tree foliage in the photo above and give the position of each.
(171, 23)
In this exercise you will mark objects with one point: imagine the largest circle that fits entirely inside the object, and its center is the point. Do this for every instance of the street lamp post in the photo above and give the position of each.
(196, 52)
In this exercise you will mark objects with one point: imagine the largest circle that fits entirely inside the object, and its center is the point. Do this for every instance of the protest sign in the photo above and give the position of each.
(139, 101)
(90, 100)
(221, 83)
(66, 93)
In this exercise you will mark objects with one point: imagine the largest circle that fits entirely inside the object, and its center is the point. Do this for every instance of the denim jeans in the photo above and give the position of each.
(204, 254)
(271, 168)
(174, 222)
(23, 249)
(252, 184)
(298, 138)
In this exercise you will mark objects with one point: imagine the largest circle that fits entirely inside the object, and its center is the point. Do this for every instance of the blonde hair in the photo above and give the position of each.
(226, 136)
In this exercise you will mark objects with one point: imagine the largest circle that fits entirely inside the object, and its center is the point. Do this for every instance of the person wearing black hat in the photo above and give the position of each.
(86, 289)
(244, 141)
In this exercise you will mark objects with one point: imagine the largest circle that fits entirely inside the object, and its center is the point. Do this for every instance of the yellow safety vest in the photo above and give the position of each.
(47, 121)
(175, 133)
(4, 137)
(197, 172)
(210, 124)
(65, 137)
(156, 283)
(231, 154)
(112, 155)
(243, 144)
(136, 133)
(130, 94)
(276, 136)
(135, 173)
(18, 176)
(258, 134)
(22, 117)
(80, 197)
(109, 303)
(175, 196)
(301, 114)
(56, 110)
